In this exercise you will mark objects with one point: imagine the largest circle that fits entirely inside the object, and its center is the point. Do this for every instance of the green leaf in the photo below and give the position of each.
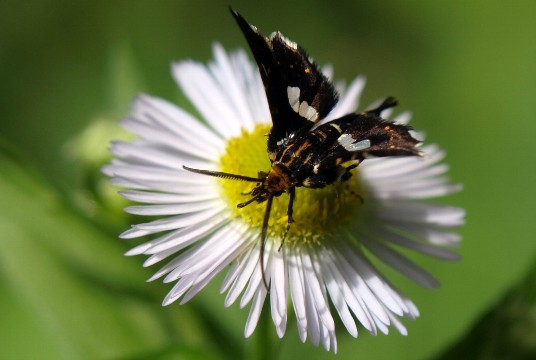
(70, 291)
(507, 331)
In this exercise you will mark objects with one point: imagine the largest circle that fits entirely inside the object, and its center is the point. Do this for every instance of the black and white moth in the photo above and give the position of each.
(299, 96)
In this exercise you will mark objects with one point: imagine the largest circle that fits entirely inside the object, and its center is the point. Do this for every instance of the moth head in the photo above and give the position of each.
(279, 180)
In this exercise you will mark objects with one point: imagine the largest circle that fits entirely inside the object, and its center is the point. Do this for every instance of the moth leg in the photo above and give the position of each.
(241, 205)
(345, 170)
(290, 210)
(346, 176)
(351, 191)
(386, 104)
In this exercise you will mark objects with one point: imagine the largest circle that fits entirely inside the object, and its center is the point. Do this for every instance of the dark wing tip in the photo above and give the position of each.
(242, 23)
(234, 12)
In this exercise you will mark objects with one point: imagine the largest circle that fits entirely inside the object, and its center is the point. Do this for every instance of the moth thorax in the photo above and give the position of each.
(279, 179)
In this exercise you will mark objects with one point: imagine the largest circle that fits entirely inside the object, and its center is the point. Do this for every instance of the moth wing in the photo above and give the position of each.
(385, 137)
(298, 93)
(367, 135)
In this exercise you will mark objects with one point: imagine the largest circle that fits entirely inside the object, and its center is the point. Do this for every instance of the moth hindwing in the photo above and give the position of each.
(303, 155)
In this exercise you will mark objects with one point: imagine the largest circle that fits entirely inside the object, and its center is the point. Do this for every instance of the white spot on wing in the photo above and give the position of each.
(303, 108)
(362, 145)
(345, 140)
(293, 94)
(309, 113)
(350, 144)
(337, 127)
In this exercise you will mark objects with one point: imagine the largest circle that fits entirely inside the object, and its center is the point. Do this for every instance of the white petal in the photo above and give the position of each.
(278, 292)
(359, 283)
(403, 118)
(170, 117)
(327, 70)
(431, 234)
(389, 297)
(255, 312)
(245, 267)
(140, 153)
(256, 282)
(209, 97)
(206, 254)
(316, 285)
(337, 297)
(203, 279)
(166, 198)
(392, 167)
(313, 322)
(406, 242)
(170, 209)
(173, 142)
(355, 303)
(186, 256)
(164, 186)
(171, 223)
(398, 325)
(253, 87)
(177, 291)
(418, 212)
(226, 75)
(400, 263)
(297, 292)
(349, 101)
(154, 173)
(178, 239)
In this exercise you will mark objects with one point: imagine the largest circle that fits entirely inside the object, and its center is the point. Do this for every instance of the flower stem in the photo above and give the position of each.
(265, 345)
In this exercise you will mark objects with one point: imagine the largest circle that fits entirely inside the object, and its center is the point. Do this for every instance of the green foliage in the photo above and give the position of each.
(506, 331)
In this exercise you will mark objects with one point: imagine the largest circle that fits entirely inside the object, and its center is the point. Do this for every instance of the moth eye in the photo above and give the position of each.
(350, 144)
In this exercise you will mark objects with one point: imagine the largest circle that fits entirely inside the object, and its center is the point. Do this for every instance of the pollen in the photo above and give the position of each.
(319, 214)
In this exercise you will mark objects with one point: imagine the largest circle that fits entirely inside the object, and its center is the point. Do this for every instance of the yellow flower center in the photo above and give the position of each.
(319, 214)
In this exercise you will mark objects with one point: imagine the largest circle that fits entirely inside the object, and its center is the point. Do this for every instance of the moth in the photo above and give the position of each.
(301, 153)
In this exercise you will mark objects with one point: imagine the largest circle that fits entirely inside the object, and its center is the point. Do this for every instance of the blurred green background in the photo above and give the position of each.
(68, 71)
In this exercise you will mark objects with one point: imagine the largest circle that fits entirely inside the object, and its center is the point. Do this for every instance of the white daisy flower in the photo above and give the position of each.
(323, 267)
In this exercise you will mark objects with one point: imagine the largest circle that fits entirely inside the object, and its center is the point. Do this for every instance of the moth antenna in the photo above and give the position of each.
(222, 175)
(263, 237)
(386, 104)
